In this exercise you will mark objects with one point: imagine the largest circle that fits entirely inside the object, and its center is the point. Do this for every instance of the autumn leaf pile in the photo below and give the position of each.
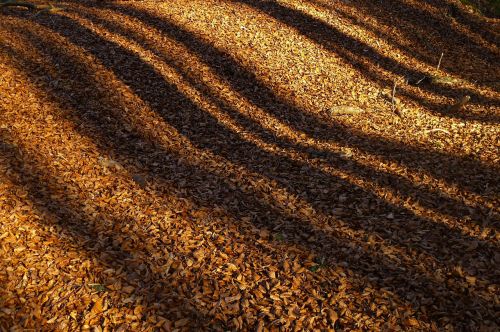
(249, 165)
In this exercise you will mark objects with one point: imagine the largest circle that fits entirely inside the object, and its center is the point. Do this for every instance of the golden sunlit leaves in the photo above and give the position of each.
(237, 165)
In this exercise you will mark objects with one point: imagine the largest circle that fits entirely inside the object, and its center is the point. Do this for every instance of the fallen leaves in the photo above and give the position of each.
(140, 180)
(109, 163)
(98, 287)
(460, 104)
(265, 209)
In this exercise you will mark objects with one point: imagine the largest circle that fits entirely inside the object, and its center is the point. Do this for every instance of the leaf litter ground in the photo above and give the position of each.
(249, 165)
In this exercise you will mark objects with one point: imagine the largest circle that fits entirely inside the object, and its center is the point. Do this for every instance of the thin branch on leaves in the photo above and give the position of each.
(440, 59)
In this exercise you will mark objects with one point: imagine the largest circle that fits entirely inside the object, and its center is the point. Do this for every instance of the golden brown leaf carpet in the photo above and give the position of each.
(183, 165)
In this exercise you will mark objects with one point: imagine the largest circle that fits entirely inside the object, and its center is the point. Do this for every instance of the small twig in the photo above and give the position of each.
(440, 58)
(393, 96)
(420, 80)
(435, 130)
